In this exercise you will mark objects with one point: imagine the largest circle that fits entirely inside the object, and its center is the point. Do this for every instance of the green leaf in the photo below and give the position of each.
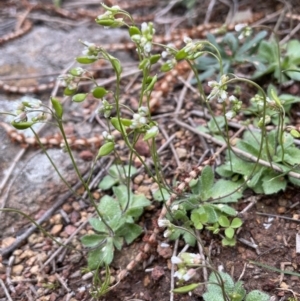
(116, 65)
(109, 207)
(239, 290)
(199, 217)
(257, 174)
(214, 282)
(99, 92)
(134, 205)
(272, 183)
(108, 251)
(118, 242)
(232, 42)
(257, 295)
(151, 84)
(268, 51)
(101, 256)
(108, 182)
(236, 223)
(106, 149)
(213, 216)
(161, 195)
(231, 242)
(189, 238)
(186, 289)
(229, 232)
(94, 259)
(80, 97)
(97, 224)
(252, 42)
(226, 209)
(224, 221)
(212, 125)
(130, 232)
(206, 182)
(116, 174)
(212, 296)
(227, 191)
(57, 106)
(92, 240)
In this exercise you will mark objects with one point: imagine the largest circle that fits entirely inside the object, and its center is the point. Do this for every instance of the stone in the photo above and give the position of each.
(7, 241)
(17, 269)
(181, 153)
(56, 229)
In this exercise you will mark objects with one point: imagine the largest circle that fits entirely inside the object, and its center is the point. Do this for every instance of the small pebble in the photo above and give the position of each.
(281, 210)
(181, 153)
(7, 241)
(17, 269)
(56, 229)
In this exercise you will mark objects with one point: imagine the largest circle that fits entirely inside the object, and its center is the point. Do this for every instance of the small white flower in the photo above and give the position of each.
(21, 117)
(232, 98)
(239, 27)
(105, 134)
(213, 84)
(180, 273)
(168, 233)
(144, 27)
(115, 7)
(187, 40)
(163, 223)
(143, 111)
(189, 274)
(143, 120)
(230, 114)
(164, 54)
(174, 208)
(176, 260)
(148, 47)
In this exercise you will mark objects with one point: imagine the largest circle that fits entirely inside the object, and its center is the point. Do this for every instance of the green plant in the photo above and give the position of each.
(233, 50)
(270, 61)
(206, 205)
(117, 174)
(221, 287)
(263, 179)
(120, 214)
(257, 106)
(206, 208)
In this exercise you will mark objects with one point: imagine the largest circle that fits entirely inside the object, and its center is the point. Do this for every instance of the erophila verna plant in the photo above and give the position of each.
(206, 206)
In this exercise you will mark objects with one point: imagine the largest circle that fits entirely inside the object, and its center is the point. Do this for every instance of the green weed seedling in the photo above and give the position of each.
(221, 287)
(270, 61)
(207, 207)
(120, 213)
